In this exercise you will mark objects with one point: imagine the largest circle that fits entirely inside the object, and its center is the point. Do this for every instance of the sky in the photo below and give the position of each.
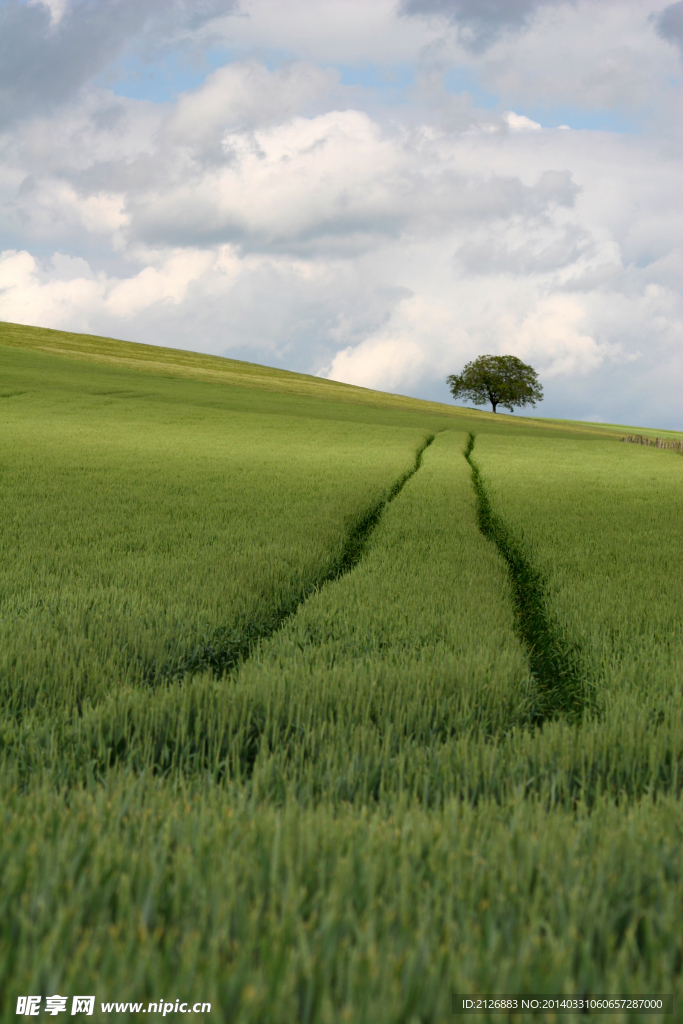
(374, 191)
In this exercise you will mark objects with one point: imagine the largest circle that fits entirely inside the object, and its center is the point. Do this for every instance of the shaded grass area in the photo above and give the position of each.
(563, 688)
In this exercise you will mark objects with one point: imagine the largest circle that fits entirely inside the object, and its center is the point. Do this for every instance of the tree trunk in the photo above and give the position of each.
(494, 404)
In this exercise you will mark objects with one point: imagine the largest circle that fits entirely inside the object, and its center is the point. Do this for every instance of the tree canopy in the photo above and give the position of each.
(500, 380)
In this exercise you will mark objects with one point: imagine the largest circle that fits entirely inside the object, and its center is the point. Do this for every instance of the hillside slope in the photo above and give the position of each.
(201, 367)
(170, 362)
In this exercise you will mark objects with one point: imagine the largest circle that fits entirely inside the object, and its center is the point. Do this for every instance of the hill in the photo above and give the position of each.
(168, 362)
(171, 362)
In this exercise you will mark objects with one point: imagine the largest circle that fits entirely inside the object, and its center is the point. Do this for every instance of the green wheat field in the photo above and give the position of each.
(323, 705)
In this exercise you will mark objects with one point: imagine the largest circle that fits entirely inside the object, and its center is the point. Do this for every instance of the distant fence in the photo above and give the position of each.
(655, 442)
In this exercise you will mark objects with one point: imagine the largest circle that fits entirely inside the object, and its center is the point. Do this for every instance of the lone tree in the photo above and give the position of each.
(500, 380)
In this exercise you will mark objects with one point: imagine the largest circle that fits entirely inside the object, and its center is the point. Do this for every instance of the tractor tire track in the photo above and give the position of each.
(555, 662)
(228, 647)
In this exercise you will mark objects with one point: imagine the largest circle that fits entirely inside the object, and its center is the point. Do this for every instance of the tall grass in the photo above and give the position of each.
(593, 517)
(362, 812)
(282, 913)
(145, 534)
(562, 687)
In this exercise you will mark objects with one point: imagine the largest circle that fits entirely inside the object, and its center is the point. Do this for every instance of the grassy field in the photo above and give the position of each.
(322, 705)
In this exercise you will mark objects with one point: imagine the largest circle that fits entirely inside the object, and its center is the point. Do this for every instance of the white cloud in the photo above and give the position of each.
(328, 31)
(520, 123)
(551, 337)
(67, 287)
(55, 7)
(385, 363)
(56, 208)
(46, 300)
(582, 54)
(427, 338)
(52, 49)
(168, 283)
(306, 175)
(410, 347)
(245, 95)
(276, 213)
